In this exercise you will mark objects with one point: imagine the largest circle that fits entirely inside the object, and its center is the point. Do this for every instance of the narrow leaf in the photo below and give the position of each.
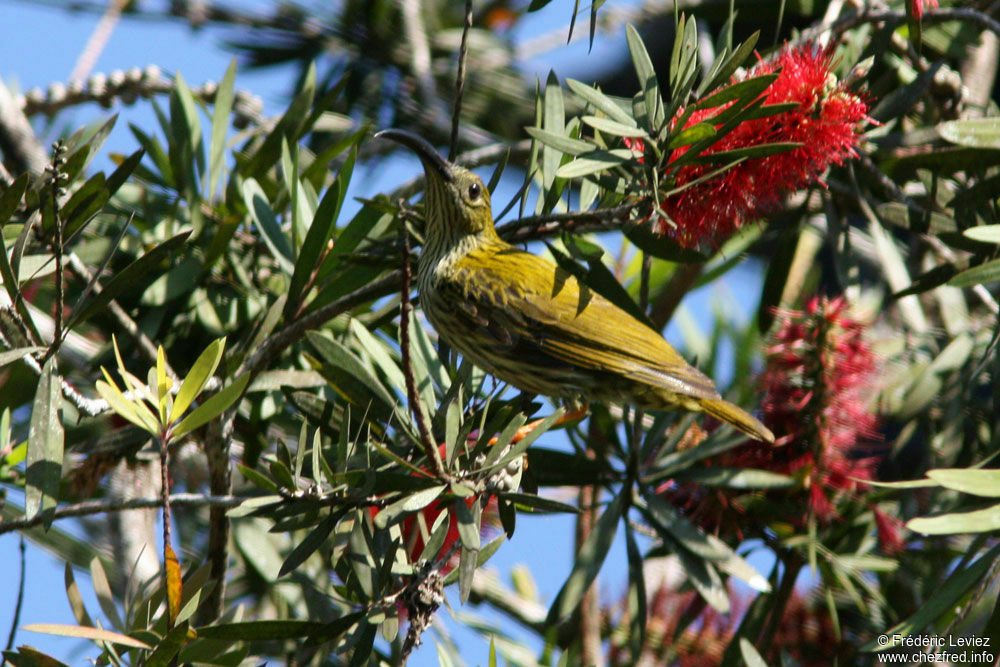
(589, 560)
(213, 407)
(43, 470)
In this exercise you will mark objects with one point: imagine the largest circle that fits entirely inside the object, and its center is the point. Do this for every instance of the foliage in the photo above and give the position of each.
(252, 312)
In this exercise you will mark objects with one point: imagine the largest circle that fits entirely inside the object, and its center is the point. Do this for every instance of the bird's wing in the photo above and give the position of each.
(526, 295)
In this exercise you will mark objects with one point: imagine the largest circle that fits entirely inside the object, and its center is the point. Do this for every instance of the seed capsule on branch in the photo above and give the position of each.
(530, 323)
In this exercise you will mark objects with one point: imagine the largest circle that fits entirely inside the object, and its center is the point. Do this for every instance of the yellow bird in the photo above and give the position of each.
(530, 323)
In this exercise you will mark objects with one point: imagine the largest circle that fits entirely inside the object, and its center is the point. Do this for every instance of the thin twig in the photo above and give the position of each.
(437, 465)
(167, 514)
(895, 18)
(294, 331)
(20, 599)
(536, 226)
(463, 56)
(89, 507)
(125, 323)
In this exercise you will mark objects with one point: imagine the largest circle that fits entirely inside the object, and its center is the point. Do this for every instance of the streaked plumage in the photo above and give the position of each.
(531, 324)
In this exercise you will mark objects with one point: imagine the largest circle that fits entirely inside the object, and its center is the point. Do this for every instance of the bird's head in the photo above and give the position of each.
(456, 203)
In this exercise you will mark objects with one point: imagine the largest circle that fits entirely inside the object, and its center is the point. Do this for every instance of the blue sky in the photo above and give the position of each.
(44, 48)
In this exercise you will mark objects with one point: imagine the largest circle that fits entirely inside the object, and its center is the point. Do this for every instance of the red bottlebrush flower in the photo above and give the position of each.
(417, 527)
(825, 122)
(890, 530)
(817, 380)
(806, 632)
(917, 7)
(637, 145)
(817, 383)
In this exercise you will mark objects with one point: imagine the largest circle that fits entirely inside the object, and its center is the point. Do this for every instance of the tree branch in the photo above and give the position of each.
(89, 507)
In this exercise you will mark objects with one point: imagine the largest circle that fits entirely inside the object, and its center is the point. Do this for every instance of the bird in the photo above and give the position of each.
(532, 324)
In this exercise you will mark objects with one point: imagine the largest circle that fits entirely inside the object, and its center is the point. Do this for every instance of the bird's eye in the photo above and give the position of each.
(474, 191)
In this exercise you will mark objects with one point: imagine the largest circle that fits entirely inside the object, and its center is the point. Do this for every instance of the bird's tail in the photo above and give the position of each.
(738, 417)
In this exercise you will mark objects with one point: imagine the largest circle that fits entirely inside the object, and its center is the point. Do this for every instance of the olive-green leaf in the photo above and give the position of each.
(984, 233)
(44, 463)
(983, 274)
(267, 222)
(138, 273)
(213, 407)
(201, 370)
(972, 132)
(589, 560)
(600, 101)
(613, 127)
(978, 482)
(567, 145)
(83, 632)
(976, 521)
(411, 503)
(593, 162)
(942, 600)
(261, 630)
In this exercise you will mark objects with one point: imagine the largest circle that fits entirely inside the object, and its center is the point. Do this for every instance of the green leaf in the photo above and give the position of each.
(350, 377)
(482, 557)
(469, 519)
(10, 356)
(213, 407)
(267, 222)
(201, 370)
(600, 101)
(554, 121)
(750, 152)
(540, 503)
(615, 128)
(721, 74)
(167, 649)
(751, 658)
(978, 482)
(593, 162)
(137, 274)
(589, 560)
(746, 91)
(647, 79)
(972, 132)
(84, 204)
(648, 241)
(321, 229)
(984, 233)
(43, 468)
(674, 526)
(313, 541)
(264, 630)
(220, 127)
(83, 632)
(567, 145)
(976, 521)
(983, 274)
(692, 134)
(736, 478)
(133, 411)
(408, 504)
(105, 598)
(942, 600)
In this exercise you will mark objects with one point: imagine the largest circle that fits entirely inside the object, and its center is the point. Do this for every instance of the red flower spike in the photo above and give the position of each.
(917, 7)
(818, 376)
(825, 122)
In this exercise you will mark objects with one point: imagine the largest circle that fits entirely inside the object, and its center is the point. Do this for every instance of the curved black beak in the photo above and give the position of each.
(427, 154)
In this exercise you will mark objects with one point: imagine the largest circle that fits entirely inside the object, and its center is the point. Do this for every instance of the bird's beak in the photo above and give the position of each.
(430, 157)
